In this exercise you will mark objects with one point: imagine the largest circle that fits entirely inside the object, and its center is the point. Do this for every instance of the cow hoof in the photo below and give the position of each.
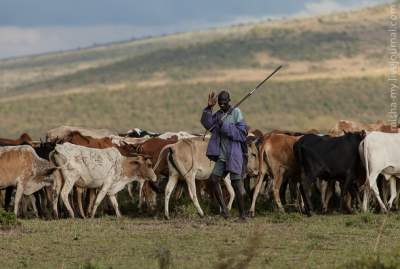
(252, 214)
(166, 217)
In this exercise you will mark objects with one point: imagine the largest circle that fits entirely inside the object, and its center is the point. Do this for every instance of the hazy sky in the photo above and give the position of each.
(37, 26)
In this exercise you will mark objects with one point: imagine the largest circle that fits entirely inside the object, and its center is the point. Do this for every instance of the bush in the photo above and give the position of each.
(7, 219)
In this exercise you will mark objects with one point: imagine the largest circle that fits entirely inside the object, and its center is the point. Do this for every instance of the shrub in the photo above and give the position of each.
(7, 219)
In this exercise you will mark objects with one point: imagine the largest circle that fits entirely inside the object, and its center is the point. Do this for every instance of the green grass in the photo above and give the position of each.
(296, 105)
(319, 241)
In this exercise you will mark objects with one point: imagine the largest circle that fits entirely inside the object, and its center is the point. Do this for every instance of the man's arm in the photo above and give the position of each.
(208, 120)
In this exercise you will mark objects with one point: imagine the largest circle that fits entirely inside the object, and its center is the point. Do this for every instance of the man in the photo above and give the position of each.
(226, 147)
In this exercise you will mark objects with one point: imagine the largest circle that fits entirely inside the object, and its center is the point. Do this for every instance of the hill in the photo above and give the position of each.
(334, 67)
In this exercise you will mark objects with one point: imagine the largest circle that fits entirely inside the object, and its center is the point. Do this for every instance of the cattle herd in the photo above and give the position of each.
(74, 168)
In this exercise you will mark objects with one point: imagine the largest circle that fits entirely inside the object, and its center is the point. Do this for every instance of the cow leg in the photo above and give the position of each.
(191, 182)
(79, 194)
(277, 181)
(345, 192)
(393, 192)
(374, 187)
(7, 201)
(39, 203)
(150, 196)
(130, 192)
(56, 191)
(231, 191)
(100, 197)
(365, 198)
(255, 193)
(18, 196)
(92, 197)
(140, 202)
(323, 188)
(33, 202)
(385, 190)
(114, 203)
(2, 198)
(66, 189)
(293, 191)
(305, 188)
(173, 179)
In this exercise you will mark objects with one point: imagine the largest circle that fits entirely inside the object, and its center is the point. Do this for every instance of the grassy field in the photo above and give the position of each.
(268, 241)
(295, 105)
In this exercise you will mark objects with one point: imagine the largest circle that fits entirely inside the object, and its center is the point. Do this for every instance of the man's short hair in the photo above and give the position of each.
(224, 94)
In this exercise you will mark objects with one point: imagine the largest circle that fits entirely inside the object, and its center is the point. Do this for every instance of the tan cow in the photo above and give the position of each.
(276, 158)
(63, 131)
(93, 168)
(187, 161)
(21, 167)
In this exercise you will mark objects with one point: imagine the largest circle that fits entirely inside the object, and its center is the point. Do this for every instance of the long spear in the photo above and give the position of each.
(244, 98)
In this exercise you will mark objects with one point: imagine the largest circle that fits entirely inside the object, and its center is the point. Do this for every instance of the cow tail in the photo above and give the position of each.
(261, 153)
(176, 164)
(161, 156)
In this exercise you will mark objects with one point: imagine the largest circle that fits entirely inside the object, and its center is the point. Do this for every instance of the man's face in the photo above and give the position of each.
(223, 103)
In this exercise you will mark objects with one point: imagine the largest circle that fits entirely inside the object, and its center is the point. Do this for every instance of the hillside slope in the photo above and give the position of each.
(334, 67)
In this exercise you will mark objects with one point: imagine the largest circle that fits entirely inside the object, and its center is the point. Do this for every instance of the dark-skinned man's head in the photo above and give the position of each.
(223, 100)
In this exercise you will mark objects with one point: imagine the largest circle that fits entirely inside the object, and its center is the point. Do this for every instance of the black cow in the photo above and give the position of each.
(331, 159)
(137, 133)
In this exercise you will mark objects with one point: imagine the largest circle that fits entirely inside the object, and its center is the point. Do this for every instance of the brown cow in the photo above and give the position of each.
(21, 167)
(24, 139)
(279, 162)
(352, 126)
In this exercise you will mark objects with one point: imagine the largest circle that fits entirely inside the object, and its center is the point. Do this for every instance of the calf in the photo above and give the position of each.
(21, 167)
(106, 169)
(330, 158)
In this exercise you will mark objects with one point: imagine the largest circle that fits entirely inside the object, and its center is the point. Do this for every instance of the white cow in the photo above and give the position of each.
(381, 155)
(106, 169)
(180, 135)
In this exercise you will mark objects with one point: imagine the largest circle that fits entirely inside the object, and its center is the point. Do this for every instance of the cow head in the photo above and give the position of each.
(140, 167)
(252, 159)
